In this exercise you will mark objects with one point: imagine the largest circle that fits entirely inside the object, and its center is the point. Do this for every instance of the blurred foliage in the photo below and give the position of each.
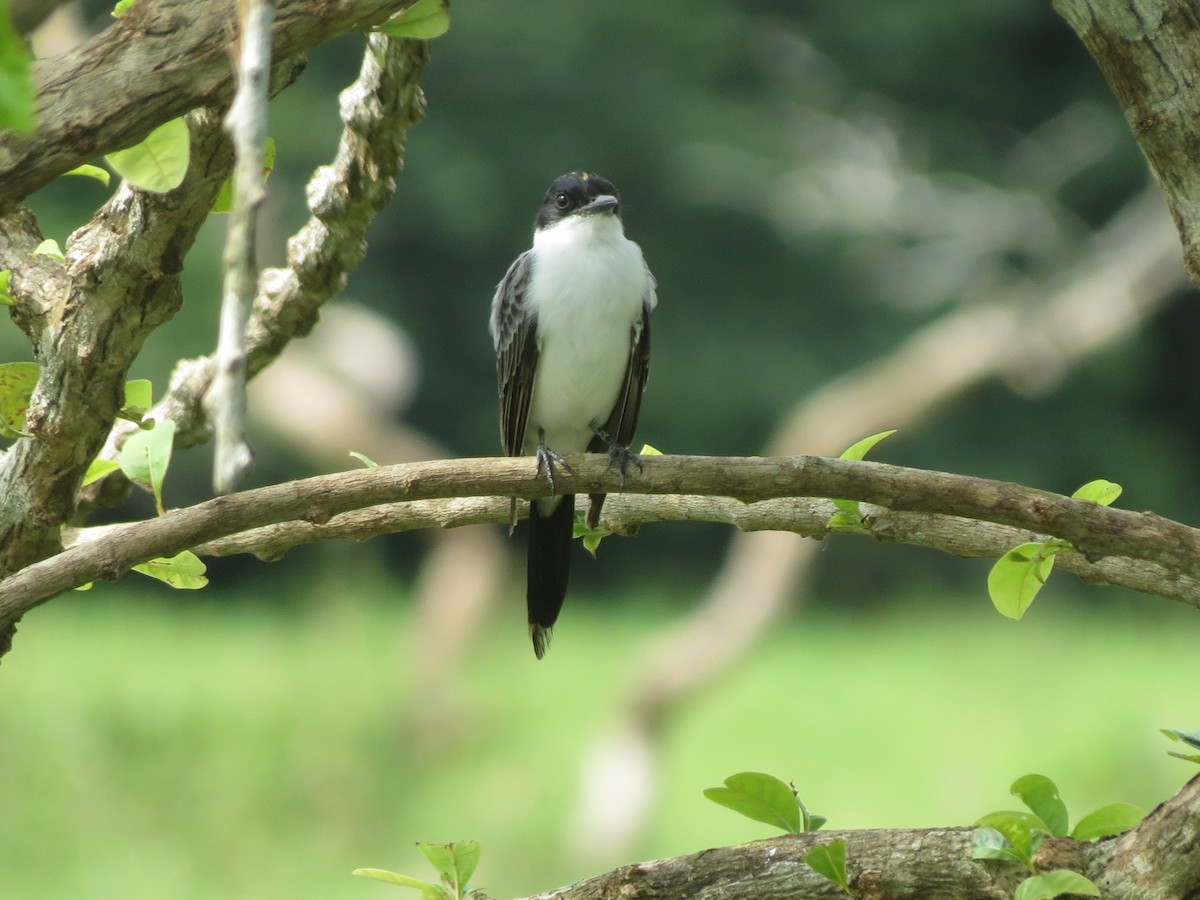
(811, 182)
(224, 751)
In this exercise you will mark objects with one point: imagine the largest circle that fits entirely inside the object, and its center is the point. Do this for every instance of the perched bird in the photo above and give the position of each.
(571, 326)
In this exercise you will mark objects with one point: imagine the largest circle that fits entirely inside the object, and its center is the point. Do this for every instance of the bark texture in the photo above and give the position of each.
(1149, 53)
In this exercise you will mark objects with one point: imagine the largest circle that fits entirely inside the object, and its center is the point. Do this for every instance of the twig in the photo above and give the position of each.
(246, 124)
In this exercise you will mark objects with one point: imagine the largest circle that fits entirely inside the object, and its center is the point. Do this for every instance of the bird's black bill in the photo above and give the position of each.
(603, 203)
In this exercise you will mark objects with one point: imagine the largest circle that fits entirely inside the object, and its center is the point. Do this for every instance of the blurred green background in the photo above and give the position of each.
(811, 183)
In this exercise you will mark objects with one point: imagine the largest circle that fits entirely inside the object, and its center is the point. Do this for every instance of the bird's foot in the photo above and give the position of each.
(547, 459)
(617, 455)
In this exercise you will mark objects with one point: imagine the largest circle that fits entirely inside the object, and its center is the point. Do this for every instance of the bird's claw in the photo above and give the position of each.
(547, 459)
(617, 455)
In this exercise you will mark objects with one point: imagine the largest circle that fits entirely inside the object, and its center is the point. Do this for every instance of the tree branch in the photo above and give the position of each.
(378, 109)
(1149, 53)
(158, 61)
(246, 123)
(87, 318)
(1157, 860)
(1097, 532)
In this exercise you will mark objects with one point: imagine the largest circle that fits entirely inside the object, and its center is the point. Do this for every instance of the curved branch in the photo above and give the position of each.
(158, 61)
(1157, 860)
(1096, 531)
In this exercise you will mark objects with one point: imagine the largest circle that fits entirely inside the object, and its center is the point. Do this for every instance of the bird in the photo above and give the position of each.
(570, 322)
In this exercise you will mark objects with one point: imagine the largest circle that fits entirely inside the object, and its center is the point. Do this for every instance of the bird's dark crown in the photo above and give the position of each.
(570, 193)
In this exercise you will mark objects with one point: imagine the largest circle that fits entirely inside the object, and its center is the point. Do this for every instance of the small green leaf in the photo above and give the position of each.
(1113, 818)
(159, 162)
(1040, 794)
(121, 8)
(364, 459)
(849, 519)
(428, 891)
(5, 297)
(424, 20)
(139, 397)
(1017, 577)
(224, 201)
(98, 469)
(591, 536)
(86, 587)
(146, 456)
(1019, 829)
(859, 449)
(16, 85)
(1049, 885)
(88, 171)
(761, 797)
(49, 247)
(455, 862)
(988, 843)
(647, 450)
(851, 513)
(830, 860)
(1192, 738)
(1099, 491)
(17, 380)
(184, 571)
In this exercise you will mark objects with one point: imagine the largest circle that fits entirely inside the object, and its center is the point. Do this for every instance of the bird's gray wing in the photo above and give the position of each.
(514, 333)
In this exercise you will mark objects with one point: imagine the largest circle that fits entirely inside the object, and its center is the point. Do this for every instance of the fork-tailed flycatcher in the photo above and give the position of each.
(571, 326)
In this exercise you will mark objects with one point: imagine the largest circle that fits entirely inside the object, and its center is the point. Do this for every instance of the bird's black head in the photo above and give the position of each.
(577, 194)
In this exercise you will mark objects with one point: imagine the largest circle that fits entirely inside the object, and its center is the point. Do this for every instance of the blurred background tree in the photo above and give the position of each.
(812, 184)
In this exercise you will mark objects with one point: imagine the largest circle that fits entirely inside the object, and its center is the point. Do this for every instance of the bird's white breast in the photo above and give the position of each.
(587, 291)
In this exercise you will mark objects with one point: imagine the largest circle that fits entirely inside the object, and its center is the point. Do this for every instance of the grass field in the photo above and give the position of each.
(214, 750)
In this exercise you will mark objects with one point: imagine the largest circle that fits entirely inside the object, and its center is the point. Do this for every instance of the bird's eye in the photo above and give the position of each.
(561, 200)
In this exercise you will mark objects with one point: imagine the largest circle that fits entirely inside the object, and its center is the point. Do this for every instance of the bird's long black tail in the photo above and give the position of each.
(550, 536)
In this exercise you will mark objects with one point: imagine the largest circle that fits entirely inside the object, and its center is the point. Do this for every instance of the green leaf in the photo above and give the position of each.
(86, 587)
(1020, 829)
(428, 891)
(455, 862)
(859, 449)
(851, 519)
(49, 247)
(121, 8)
(159, 162)
(761, 797)
(16, 85)
(591, 536)
(87, 171)
(1054, 884)
(17, 380)
(1040, 794)
(425, 20)
(224, 201)
(98, 469)
(1192, 738)
(856, 451)
(1018, 575)
(647, 450)
(139, 397)
(5, 297)
(184, 571)
(365, 460)
(988, 843)
(1099, 491)
(146, 456)
(1111, 819)
(830, 860)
